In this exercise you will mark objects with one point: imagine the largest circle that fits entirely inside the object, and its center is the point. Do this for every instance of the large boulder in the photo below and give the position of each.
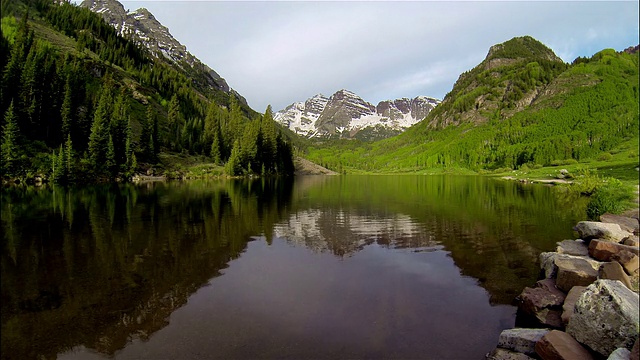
(573, 247)
(521, 340)
(589, 230)
(574, 272)
(504, 354)
(626, 223)
(614, 271)
(604, 250)
(568, 307)
(550, 269)
(543, 303)
(606, 317)
(558, 345)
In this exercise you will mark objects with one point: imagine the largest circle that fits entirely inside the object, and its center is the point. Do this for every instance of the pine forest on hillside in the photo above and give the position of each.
(80, 102)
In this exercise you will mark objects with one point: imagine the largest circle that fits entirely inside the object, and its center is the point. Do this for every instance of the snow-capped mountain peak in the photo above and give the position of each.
(345, 114)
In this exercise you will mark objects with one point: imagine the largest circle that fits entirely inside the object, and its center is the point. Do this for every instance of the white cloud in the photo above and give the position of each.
(280, 52)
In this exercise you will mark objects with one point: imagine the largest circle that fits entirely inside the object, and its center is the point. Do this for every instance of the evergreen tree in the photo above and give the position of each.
(146, 134)
(269, 146)
(99, 140)
(215, 149)
(234, 166)
(10, 143)
(66, 110)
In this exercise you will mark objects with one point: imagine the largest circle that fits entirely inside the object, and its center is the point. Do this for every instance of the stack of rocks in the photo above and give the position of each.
(586, 305)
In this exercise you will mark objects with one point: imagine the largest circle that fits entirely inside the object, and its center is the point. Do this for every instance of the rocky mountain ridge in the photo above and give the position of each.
(144, 29)
(345, 114)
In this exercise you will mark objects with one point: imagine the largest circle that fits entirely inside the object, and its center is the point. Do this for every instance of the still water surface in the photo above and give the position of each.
(407, 267)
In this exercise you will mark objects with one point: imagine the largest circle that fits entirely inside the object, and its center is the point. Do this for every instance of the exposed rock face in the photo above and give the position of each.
(606, 317)
(589, 230)
(521, 340)
(143, 28)
(345, 114)
(558, 345)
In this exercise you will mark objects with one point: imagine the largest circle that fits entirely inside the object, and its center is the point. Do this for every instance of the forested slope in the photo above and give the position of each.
(81, 102)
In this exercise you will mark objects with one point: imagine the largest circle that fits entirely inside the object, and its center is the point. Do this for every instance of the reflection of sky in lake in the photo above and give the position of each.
(284, 301)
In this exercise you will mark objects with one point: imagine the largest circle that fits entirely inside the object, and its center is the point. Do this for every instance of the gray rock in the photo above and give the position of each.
(620, 354)
(589, 230)
(626, 223)
(606, 317)
(574, 272)
(521, 340)
(573, 247)
(550, 269)
(568, 308)
(504, 354)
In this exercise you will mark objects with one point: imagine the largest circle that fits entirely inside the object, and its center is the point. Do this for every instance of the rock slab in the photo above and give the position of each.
(504, 354)
(572, 247)
(614, 271)
(626, 223)
(543, 303)
(558, 345)
(521, 340)
(589, 230)
(574, 272)
(570, 302)
(606, 317)
(604, 250)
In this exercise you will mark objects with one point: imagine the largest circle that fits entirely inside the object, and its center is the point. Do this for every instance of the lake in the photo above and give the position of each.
(323, 267)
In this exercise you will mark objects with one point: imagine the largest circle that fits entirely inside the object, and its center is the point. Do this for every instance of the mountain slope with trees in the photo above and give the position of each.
(81, 103)
(521, 106)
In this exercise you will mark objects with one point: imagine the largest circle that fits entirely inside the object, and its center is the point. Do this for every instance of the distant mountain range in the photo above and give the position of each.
(346, 115)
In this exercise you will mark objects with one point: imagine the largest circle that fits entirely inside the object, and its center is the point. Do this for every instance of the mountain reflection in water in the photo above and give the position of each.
(323, 267)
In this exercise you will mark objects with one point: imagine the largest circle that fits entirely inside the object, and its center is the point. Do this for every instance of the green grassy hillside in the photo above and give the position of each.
(521, 108)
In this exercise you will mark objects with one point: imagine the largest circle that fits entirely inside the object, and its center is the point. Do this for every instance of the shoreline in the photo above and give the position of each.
(585, 305)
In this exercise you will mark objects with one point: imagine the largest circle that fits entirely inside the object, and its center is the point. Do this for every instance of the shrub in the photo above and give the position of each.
(605, 157)
(608, 198)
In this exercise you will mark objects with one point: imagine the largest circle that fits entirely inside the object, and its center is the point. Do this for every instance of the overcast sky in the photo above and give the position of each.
(281, 52)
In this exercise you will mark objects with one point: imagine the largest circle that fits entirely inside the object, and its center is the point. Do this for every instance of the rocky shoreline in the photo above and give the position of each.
(586, 304)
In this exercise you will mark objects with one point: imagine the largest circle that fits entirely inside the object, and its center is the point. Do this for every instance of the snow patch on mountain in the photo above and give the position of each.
(345, 114)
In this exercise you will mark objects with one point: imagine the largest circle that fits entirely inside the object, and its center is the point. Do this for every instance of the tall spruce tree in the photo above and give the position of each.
(10, 147)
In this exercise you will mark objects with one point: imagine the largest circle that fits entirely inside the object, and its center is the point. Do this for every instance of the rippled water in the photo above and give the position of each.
(320, 267)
